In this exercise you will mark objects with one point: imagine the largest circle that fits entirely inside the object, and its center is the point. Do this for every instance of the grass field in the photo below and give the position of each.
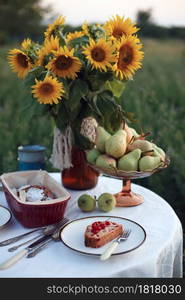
(156, 96)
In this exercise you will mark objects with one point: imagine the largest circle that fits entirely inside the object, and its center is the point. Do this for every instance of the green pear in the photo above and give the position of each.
(106, 202)
(141, 144)
(92, 155)
(129, 162)
(130, 135)
(86, 203)
(101, 137)
(159, 152)
(148, 163)
(116, 145)
(105, 161)
(134, 132)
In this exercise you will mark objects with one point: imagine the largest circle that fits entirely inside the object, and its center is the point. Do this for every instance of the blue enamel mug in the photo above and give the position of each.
(31, 157)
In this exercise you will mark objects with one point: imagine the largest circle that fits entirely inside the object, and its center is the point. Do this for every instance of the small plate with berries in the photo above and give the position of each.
(92, 235)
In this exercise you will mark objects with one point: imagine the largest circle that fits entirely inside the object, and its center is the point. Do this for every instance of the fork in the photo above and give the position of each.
(108, 252)
(54, 237)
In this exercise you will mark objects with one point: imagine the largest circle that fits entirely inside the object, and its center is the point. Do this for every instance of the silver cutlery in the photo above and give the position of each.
(54, 237)
(30, 248)
(46, 231)
(41, 245)
(22, 244)
(19, 237)
(108, 252)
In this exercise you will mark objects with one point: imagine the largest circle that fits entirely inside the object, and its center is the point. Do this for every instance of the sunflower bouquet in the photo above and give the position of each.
(80, 75)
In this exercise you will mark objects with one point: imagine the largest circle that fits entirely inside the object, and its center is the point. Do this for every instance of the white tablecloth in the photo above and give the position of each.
(159, 256)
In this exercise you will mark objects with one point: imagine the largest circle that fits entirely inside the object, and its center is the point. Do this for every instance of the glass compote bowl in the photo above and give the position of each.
(126, 197)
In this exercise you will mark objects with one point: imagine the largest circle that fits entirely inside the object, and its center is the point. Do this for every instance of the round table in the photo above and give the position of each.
(159, 256)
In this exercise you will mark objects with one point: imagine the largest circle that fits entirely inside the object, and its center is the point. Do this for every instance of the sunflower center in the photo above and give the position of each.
(125, 56)
(98, 54)
(117, 32)
(46, 89)
(63, 62)
(22, 60)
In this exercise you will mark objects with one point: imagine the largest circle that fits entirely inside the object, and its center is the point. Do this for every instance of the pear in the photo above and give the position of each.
(129, 162)
(105, 161)
(144, 145)
(159, 152)
(116, 145)
(92, 155)
(86, 203)
(101, 137)
(136, 135)
(106, 202)
(130, 134)
(148, 163)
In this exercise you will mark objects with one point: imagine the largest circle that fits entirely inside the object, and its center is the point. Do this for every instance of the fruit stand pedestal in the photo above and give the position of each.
(126, 197)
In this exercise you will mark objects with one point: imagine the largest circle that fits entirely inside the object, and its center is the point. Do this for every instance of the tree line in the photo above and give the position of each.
(149, 29)
(20, 19)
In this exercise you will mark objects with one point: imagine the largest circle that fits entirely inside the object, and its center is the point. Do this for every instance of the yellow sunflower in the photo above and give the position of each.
(26, 44)
(74, 35)
(85, 28)
(64, 64)
(48, 91)
(129, 57)
(100, 54)
(19, 62)
(119, 26)
(50, 45)
(58, 23)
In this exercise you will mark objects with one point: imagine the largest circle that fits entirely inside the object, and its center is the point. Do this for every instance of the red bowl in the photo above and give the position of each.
(35, 214)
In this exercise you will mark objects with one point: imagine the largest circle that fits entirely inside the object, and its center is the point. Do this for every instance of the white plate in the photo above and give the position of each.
(72, 235)
(5, 216)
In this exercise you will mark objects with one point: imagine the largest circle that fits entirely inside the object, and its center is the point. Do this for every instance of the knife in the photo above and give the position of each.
(40, 242)
(44, 243)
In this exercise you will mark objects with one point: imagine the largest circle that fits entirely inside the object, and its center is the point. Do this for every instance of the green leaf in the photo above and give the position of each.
(78, 90)
(31, 110)
(95, 107)
(37, 72)
(82, 141)
(107, 95)
(86, 110)
(79, 41)
(97, 79)
(62, 116)
(116, 86)
(112, 113)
